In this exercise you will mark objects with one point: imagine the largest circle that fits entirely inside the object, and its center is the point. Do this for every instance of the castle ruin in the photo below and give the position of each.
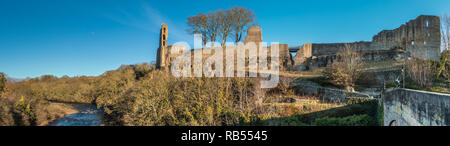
(420, 38)
(254, 35)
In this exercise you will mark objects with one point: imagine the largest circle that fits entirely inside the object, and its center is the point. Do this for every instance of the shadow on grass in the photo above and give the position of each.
(364, 113)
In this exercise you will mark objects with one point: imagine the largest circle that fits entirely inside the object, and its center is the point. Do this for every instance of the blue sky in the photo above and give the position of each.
(89, 37)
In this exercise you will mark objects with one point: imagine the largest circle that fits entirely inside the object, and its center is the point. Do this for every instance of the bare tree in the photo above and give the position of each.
(221, 24)
(420, 72)
(199, 25)
(445, 28)
(225, 23)
(446, 32)
(212, 27)
(241, 18)
(347, 68)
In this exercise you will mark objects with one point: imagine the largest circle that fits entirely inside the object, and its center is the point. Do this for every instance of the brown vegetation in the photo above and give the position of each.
(420, 72)
(136, 95)
(139, 95)
(2, 83)
(346, 70)
(444, 62)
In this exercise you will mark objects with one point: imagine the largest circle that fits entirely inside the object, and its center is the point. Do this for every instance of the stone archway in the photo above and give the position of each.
(393, 123)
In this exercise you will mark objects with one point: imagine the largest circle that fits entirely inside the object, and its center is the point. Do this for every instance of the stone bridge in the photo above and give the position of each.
(406, 107)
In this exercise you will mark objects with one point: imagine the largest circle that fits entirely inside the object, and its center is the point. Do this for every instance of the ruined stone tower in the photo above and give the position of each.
(161, 59)
(421, 37)
(254, 35)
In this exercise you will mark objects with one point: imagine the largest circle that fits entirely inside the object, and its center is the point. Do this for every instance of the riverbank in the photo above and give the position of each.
(53, 112)
(37, 113)
(86, 115)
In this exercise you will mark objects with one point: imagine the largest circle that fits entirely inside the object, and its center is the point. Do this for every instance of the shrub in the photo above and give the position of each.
(359, 100)
(6, 114)
(439, 90)
(346, 70)
(158, 98)
(355, 120)
(2, 82)
(380, 114)
(420, 72)
(391, 85)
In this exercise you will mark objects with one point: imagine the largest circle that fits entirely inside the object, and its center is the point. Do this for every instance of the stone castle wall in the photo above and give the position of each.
(420, 37)
(254, 35)
(333, 48)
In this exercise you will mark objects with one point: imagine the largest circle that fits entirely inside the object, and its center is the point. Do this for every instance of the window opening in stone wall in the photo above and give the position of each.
(426, 23)
(412, 43)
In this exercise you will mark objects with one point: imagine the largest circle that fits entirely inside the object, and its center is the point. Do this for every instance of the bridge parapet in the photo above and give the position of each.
(406, 107)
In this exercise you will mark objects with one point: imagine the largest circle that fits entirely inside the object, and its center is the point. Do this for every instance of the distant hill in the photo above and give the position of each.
(10, 79)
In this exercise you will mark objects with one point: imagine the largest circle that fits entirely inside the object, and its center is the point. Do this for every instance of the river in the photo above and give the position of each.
(88, 115)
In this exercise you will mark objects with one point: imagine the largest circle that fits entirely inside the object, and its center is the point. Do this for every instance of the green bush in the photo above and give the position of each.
(292, 121)
(438, 89)
(359, 100)
(355, 120)
(380, 114)
(391, 85)
(410, 85)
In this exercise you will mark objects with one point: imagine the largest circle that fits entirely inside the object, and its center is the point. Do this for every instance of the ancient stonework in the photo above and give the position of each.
(163, 52)
(406, 107)
(285, 59)
(254, 34)
(421, 38)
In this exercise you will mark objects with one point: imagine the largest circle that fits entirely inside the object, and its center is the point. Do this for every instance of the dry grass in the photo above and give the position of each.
(303, 74)
(42, 113)
(382, 65)
(304, 105)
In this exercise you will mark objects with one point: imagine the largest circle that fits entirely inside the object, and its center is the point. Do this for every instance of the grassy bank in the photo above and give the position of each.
(23, 113)
(139, 95)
